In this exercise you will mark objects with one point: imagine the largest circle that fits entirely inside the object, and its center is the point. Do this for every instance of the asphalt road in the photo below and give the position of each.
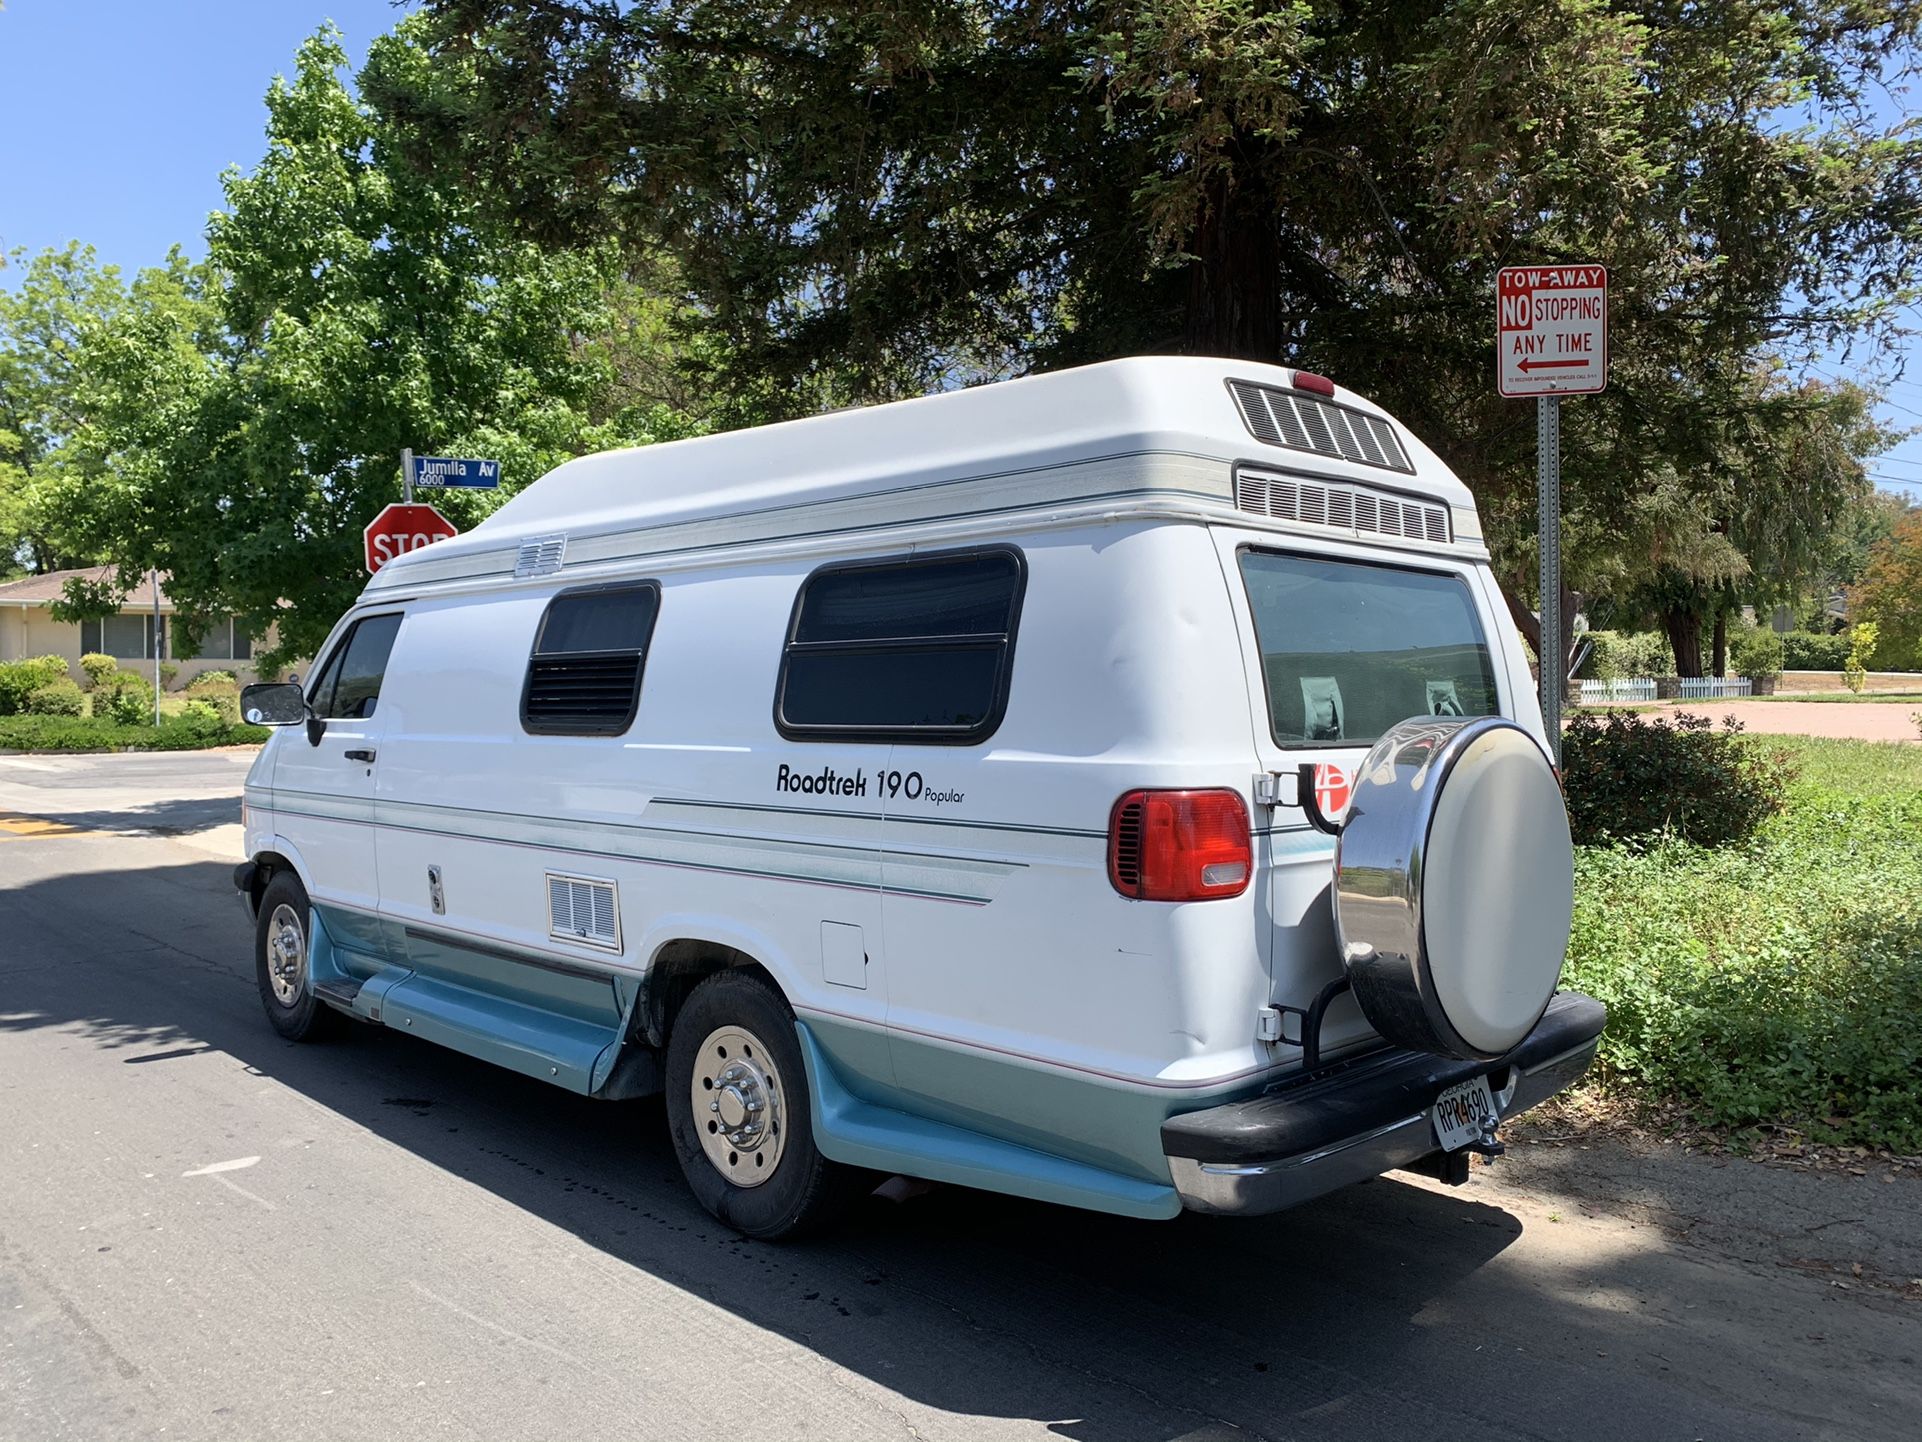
(208, 1232)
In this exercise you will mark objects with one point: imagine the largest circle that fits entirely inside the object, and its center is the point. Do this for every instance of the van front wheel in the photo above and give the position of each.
(738, 1109)
(281, 932)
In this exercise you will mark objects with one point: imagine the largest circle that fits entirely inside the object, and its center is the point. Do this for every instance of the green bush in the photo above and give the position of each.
(20, 679)
(92, 733)
(1629, 776)
(125, 705)
(57, 698)
(97, 667)
(1757, 653)
(197, 716)
(1808, 651)
(1855, 667)
(1778, 982)
(1620, 655)
(168, 672)
(219, 690)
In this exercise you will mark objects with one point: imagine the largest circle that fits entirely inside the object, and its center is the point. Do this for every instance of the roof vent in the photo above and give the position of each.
(582, 909)
(1359, 510)
(541, 556)
(1301, 423)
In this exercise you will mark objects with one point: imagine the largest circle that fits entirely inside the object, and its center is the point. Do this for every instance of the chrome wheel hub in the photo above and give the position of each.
(738, 1106)
(286, 955)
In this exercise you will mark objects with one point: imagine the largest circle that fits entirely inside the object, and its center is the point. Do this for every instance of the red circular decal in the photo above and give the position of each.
(1333, 787)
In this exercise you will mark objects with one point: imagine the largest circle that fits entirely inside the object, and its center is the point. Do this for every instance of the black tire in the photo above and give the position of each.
(306, 1017)
(804, 1191)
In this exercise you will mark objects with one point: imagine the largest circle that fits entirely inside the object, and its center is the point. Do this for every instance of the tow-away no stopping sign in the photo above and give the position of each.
(1551, 329)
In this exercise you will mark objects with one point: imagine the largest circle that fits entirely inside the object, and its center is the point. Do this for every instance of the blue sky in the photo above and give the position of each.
(118, 116)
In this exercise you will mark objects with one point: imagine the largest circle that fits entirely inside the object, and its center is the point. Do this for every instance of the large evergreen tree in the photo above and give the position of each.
(867, 199)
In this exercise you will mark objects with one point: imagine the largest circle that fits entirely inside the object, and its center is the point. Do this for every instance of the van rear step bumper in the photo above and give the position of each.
(1357, 1119)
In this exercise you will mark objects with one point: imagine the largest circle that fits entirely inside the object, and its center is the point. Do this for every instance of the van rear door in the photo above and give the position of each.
(1343, 641)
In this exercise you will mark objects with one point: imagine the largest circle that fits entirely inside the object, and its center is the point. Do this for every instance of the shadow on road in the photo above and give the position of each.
(173, 817)
(1120, 1330)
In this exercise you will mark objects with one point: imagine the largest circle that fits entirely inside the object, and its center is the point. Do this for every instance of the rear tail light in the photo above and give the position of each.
(1314, 384)
(1180, 845)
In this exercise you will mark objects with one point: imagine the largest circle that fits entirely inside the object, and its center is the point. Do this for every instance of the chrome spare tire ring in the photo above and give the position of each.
(286, 955)
(738, 1106)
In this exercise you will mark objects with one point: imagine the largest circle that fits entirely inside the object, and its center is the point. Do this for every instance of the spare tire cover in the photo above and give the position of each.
(1454, 884)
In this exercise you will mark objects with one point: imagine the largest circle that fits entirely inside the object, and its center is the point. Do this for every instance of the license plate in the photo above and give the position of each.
(1462, 1113)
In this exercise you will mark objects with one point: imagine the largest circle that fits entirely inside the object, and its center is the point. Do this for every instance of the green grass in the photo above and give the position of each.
(1776, 983)
(87, 733)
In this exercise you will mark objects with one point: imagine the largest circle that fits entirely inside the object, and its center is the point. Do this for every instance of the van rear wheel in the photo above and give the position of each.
(739, 1112)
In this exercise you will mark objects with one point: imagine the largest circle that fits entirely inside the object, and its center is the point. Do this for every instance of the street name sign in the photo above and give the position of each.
(444, 471)
(1551, 330)
(404, 527)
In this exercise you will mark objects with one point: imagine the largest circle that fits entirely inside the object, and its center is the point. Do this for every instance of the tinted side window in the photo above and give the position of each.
(584, 676)
(916, 650)
(349, 687)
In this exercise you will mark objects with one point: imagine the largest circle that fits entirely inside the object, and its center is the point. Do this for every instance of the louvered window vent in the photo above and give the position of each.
(582, 695)
(1302, 423)
(583, 909)
(1355, 509)
(541, 556)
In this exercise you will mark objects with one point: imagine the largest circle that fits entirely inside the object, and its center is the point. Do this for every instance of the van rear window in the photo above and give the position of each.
(1350, 648)
(914, 650)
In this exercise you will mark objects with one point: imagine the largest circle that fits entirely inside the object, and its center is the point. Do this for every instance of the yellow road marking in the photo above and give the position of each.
(18, 828)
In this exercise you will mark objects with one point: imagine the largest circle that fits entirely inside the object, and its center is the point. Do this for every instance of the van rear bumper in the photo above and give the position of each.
(1357, 1119)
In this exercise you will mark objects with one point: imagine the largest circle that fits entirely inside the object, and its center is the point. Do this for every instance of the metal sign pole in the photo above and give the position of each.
(159, 645)
(407, 475)
(1548, 442)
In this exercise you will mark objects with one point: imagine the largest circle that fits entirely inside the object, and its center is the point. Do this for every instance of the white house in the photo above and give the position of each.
(133, 637)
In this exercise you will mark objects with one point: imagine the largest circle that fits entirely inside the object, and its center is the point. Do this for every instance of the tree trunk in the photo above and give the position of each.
(1719, 663)
(1685, 639)
(1234, 280)
(1530, 625)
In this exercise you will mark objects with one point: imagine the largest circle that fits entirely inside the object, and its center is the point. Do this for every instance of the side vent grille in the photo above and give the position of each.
(1124, 861)
(541, 556)
(1355, 509)
(588, 694)
(1302, 423)
(582, 909)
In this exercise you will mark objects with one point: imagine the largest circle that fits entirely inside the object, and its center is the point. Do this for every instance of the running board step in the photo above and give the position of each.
(340, 993)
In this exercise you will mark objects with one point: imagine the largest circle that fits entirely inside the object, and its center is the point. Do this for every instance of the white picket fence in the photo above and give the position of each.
(1640, 688)
(1715, 688)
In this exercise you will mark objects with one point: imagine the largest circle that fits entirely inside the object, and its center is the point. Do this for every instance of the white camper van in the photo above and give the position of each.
(1120, 787)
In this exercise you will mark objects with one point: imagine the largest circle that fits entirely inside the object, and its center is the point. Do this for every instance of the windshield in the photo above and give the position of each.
(1348, 648)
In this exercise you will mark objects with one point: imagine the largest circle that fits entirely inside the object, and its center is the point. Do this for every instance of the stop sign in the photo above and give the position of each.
(404, 527)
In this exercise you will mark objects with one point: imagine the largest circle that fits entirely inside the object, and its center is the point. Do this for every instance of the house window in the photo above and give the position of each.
(905, 650)
(224, 640)
(130, 636)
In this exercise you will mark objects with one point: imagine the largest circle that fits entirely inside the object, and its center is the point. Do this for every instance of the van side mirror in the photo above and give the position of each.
(273, 703)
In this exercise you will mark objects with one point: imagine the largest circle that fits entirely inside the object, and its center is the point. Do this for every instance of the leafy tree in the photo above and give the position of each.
(61, 294)
(246, 417)
(1889, 595)
(871, 199)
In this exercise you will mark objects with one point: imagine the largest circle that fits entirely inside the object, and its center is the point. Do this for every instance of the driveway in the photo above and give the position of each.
(208, 1232)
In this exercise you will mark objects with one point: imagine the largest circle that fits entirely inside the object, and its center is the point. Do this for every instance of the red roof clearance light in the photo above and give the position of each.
(1314, 384)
